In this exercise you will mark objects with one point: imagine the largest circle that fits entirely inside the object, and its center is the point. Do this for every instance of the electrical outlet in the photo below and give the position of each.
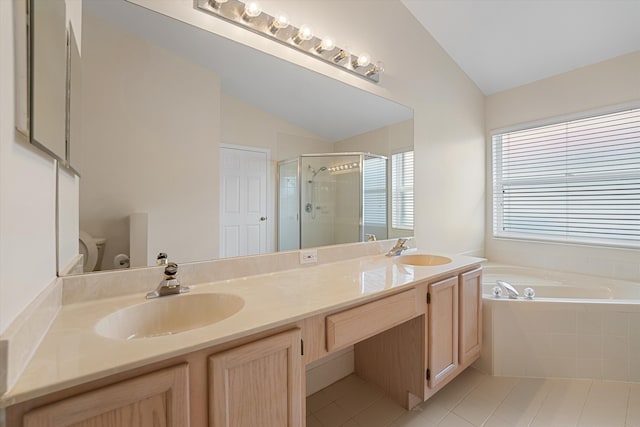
(309, 256)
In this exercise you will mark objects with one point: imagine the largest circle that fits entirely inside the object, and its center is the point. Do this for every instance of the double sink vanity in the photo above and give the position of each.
(234, 352)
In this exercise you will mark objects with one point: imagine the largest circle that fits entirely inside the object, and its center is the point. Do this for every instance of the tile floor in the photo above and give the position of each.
(477, 399)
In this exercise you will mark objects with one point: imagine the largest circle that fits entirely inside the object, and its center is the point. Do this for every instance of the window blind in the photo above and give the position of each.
(402, 190)
(576, 181)
(375, 192)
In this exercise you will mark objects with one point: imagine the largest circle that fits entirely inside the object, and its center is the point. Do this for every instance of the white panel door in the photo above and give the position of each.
(243, 202)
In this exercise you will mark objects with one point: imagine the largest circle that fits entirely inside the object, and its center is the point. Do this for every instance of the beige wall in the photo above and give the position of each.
(595, 87)
(244, 124)
(383, 141)
(27, 198)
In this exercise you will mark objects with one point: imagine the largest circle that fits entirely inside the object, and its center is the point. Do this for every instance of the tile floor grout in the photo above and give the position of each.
(475, 399)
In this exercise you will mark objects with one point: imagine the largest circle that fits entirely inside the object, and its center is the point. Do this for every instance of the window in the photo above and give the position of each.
(577, 181)
(375, 191)
(402, 190)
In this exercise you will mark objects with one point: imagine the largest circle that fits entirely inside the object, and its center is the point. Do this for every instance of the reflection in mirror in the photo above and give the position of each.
(162, 101)
(48, 116)
(332, 198)
(75, 98)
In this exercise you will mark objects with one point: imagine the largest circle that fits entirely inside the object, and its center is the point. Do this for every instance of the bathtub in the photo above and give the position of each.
(577, 326)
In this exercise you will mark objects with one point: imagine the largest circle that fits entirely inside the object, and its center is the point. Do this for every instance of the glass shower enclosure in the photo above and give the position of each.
(332, 198)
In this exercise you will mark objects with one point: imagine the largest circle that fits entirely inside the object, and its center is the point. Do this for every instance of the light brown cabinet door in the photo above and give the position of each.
(470, 315)
(258, 384)
(158, 399)
(442, 331)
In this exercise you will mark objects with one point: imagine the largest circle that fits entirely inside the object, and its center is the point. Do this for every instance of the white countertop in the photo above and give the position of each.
(73, 353)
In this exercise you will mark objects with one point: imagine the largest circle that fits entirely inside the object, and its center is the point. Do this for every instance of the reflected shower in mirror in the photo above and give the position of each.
(332, 198)
(160, 102)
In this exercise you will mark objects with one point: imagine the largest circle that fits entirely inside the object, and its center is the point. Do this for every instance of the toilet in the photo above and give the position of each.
(93, 250)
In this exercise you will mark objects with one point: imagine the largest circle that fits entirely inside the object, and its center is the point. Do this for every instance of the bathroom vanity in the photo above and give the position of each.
(413, 328)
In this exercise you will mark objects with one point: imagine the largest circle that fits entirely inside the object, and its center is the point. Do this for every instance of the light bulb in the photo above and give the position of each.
(279, 22)
(216, 3)
(304, 33)
(327, 43)
(362, 61)
(251, 10)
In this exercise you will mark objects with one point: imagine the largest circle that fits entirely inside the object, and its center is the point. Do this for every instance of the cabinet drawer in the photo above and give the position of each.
(353, 325)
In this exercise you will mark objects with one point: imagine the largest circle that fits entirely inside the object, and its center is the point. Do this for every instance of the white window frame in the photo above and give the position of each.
(407, 188)
(496, 169)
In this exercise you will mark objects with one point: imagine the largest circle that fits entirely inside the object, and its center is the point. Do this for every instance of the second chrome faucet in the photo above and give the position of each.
(401, 246)
(170, 285)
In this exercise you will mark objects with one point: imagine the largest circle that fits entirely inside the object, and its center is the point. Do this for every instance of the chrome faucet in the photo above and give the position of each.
(170, 285)
(162, 259)
(398, 248)
(511, 291)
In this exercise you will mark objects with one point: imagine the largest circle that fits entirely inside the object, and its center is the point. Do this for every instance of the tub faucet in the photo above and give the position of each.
(170, 285)
(510, 290)
(398, 248)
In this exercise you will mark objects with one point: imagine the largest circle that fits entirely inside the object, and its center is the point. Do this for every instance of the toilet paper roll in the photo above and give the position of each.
(121, 261)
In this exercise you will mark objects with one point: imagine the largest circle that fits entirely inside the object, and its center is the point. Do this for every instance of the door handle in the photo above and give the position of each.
(263, 218)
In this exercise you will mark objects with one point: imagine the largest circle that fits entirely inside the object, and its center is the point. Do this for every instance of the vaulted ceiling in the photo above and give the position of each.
(502, 44)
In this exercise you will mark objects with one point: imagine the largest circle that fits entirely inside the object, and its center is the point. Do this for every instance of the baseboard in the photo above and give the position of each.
(75, 266)
(23, 336)
(326, 371)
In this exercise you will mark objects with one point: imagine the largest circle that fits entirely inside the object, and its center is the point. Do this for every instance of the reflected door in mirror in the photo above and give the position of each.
(243, 202)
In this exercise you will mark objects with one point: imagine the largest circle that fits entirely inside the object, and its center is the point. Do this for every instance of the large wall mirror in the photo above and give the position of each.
(167, 108)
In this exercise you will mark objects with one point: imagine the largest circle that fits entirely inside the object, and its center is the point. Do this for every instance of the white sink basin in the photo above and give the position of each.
(168, 315)
(422, 260)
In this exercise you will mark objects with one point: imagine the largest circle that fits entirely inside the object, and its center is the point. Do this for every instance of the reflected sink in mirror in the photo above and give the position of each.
(168, 315)
(422, 260)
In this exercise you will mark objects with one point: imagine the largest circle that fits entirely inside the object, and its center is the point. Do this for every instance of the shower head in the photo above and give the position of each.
(316, 172)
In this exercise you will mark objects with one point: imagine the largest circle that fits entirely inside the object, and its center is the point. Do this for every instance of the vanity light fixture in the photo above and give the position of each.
(376, 69)
(279, 22)
(326, 44)
(304, 34)
(361, 61)
(216, 3)
(343, 168)
(251, 10)
(250, 16)
(342, 53)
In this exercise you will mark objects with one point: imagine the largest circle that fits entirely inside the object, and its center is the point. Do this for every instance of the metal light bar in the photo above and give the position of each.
(346, 167)
(300, 38)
